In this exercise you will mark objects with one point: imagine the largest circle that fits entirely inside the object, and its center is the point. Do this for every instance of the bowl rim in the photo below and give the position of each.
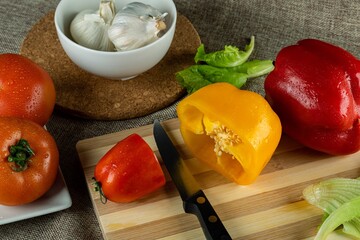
(170, 30)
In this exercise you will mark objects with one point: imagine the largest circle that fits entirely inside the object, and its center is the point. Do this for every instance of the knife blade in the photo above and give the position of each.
(194, 200)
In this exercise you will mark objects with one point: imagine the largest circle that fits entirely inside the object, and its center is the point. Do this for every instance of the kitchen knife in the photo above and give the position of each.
(194, 199)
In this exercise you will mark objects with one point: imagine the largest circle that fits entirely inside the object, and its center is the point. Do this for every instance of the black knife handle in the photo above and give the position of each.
(210, 222)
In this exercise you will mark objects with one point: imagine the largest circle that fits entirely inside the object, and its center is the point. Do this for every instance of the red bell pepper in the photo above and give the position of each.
(315, 90)
(128, 171)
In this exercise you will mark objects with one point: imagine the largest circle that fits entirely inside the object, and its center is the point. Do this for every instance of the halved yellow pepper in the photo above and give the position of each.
(234, 131)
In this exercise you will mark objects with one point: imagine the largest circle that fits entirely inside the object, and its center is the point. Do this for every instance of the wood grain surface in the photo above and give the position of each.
(270, 208)
(86, 95)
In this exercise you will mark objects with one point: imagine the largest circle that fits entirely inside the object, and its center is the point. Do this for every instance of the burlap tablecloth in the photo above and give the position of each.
(275, 24)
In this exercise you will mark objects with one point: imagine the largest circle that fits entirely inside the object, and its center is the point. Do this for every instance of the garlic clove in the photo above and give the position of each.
(107, 11)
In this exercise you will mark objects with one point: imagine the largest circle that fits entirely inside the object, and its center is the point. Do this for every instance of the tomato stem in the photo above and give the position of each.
(20, 154)
(98, 188)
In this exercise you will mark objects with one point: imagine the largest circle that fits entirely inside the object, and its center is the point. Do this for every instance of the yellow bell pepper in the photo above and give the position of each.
(234, 131)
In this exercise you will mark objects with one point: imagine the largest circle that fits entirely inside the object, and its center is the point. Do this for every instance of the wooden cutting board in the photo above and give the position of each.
(270, 208)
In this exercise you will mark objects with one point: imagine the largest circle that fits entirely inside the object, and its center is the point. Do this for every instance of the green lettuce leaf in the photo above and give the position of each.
(198, 76)
(191, 79)
(229, 65)
(229, 57)
(255, 68)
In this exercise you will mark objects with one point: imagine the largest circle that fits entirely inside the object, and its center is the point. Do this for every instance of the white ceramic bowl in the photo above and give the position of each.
(113, 65)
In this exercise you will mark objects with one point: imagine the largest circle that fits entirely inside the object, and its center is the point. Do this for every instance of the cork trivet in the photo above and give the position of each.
(85, 95)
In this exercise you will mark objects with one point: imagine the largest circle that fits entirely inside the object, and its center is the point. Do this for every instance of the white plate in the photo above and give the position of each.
(56, 199)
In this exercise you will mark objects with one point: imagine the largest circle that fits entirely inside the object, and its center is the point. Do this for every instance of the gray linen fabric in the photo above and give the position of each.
(275, 23)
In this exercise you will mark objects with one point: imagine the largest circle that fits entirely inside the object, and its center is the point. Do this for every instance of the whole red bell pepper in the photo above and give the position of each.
(315, 90)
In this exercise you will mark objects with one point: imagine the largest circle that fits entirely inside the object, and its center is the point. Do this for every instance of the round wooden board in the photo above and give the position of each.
(85, 95)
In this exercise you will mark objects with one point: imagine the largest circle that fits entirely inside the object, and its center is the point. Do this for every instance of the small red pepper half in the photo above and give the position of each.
(315, 90)
(128, 171)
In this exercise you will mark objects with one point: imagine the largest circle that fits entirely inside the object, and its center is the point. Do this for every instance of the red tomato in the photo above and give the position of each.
(26, 90)
(129, 170)
(28, 170)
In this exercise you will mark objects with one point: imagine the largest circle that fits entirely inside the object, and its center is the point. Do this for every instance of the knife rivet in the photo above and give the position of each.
(201, 200)
(212, 218)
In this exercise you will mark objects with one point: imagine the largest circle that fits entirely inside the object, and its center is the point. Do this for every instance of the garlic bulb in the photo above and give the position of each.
(136, 25)
(89, 28)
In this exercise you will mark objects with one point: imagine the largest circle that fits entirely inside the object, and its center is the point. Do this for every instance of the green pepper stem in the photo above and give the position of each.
(98, 188)
(20, 155)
